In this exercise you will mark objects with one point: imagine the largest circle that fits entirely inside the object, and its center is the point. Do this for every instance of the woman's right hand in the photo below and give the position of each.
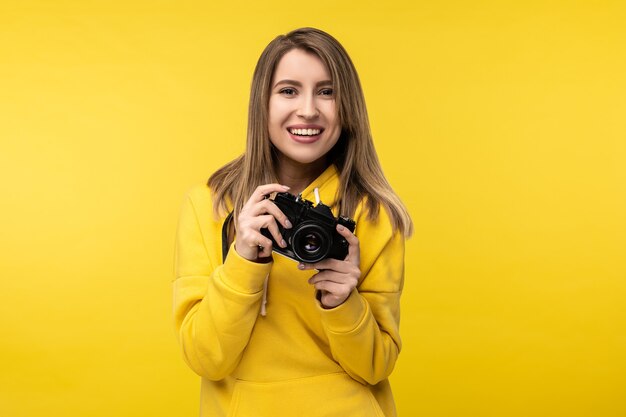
(258, 213)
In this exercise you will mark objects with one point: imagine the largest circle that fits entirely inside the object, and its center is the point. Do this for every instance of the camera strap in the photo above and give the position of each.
(225, 228)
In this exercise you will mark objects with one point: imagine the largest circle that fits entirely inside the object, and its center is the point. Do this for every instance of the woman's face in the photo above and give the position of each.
(303, 122)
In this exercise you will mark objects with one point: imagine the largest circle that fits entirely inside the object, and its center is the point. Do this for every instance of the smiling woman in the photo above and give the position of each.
(323, 337)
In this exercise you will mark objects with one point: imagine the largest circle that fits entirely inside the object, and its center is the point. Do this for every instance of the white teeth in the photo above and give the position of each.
(304, 132)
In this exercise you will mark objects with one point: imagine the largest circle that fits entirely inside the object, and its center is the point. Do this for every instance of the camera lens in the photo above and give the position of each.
(310, 243)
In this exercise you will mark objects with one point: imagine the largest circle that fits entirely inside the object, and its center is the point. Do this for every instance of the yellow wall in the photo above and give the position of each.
(501, 124)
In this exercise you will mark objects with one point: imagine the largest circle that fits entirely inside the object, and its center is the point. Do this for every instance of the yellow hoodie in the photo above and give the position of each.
(299, 359)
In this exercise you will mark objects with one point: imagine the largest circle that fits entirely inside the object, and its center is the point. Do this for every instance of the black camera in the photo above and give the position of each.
(313, 236)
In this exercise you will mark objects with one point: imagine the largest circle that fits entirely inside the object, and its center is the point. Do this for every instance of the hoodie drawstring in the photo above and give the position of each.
(264, 301)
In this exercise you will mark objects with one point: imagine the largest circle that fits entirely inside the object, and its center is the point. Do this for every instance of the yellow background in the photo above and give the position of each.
(501, 124)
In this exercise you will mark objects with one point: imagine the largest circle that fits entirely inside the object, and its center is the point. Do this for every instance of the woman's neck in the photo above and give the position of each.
(298, 176)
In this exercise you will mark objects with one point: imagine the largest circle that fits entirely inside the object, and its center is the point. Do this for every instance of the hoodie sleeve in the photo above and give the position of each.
(363, 332)
(215, 305)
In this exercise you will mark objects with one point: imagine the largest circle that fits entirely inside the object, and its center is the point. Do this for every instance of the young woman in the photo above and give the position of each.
(268, 335)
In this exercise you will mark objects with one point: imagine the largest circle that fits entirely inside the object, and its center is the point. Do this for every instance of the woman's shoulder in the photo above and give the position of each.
(200, 195)
(201, 198)
(379, 223)
(200, 192)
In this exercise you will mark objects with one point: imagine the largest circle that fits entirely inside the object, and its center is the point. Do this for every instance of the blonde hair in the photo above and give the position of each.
(360, 175)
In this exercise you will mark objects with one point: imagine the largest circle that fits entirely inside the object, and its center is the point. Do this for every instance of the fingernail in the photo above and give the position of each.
(286, 187)
(340, 227)
(288, 224)
(301, 266)
(283, 243)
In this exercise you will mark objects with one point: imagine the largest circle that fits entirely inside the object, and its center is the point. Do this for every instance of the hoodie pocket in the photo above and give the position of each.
(333, 395)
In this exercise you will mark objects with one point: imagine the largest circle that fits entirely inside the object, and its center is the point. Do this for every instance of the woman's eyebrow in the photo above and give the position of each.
(299, 84)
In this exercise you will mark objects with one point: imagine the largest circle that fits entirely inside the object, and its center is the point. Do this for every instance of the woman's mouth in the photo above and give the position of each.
(305, 132)
(305, 135)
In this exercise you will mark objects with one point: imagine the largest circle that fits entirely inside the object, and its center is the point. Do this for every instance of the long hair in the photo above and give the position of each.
(361, 177)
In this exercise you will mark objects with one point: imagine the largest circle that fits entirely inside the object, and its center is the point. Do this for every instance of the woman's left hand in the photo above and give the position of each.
(337, 278)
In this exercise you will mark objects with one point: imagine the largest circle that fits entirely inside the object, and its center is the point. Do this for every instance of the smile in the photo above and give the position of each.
(305, 132)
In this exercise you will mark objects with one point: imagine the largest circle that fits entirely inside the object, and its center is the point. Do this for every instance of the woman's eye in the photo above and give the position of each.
(326, 92)
(288, 91)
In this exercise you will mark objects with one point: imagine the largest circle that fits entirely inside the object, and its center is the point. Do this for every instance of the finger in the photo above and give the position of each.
(268, 222)
(327, 264)
(333, 294)
(265, 251)
(336, 277)
(268, 207)
(263, 245)
(325, 276)
(253, 245)
(263, 190)
(255, 239)
(278, 237)
(353, 242)
(331, 287)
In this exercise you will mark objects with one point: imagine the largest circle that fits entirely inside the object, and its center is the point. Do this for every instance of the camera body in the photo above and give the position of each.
(313, 236)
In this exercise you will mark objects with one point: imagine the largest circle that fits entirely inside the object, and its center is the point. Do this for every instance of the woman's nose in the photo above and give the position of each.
(308, 108)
